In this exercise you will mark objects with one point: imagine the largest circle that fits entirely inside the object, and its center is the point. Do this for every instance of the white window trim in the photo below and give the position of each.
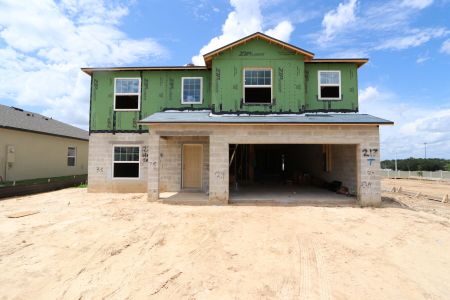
(75, 156)
(258, 86)
(327, 84)
(125, 94)
(182, 90)
(138, 162)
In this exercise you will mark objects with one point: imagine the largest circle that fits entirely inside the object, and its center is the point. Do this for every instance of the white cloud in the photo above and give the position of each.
(422, 58)
(372, 26)
(245, 19)
(446, 47)
(282, 31)
(369, 94)
(338, 19)
(47, 42)
(418, 38)
(420, 4)
(414, 124)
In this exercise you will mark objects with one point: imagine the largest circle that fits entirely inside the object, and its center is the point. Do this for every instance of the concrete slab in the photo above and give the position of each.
(289, 195)
(184, 197)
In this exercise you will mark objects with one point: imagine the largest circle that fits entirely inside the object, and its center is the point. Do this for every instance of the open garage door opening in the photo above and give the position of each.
(292, 172)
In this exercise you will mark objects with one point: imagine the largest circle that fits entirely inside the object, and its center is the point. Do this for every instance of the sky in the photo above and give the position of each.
(44, 43)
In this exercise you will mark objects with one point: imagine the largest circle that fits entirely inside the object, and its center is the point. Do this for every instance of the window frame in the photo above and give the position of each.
(138, 162)
(257, 86)
(182, 90)
(127, 94)
(74, 156)
(319, 93)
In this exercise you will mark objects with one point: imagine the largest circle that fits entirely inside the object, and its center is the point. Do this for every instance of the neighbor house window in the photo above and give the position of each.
(258, 86)
(71, 156)
(191, 90)
(126, 162)
(329, 85)
(127, 93)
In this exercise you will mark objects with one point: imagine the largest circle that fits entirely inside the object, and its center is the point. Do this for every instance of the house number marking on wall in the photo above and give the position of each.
(220, 175)
(370, 154)
(145, 154)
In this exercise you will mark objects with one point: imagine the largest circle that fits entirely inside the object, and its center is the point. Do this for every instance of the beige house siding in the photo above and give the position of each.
(40, 155)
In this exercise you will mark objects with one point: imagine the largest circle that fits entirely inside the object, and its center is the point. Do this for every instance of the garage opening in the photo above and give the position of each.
(292, 172)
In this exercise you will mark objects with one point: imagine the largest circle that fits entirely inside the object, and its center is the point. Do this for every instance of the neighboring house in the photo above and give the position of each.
(260, 113)
(34, 146)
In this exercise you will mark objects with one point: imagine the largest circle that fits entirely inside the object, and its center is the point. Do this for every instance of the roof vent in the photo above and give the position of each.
(28, 114)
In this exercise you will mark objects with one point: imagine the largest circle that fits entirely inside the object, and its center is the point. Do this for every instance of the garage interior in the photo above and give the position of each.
(292, 173)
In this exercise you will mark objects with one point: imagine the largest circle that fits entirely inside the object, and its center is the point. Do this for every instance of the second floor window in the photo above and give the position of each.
(127, 93)
(258, 86)
(191, 90)
(330, 85)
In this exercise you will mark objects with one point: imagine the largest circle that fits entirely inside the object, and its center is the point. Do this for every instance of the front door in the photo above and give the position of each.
(192, 166)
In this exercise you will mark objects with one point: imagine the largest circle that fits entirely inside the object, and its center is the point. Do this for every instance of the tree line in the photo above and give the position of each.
(417, 164)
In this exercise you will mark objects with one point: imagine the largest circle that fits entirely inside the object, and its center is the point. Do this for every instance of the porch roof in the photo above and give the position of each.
(206, 117)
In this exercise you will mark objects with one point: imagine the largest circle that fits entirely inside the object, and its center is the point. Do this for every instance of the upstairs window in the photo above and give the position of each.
(258, 86)
(127, 93)
(126, 162)
(191, 90)
(71, 156)
(330, 85)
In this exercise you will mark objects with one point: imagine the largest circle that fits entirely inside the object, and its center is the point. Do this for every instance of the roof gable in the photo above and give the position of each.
(260, 36)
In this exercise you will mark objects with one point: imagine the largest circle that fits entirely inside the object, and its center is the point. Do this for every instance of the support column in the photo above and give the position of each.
(218, 170)
(153, 167)
(369, 184)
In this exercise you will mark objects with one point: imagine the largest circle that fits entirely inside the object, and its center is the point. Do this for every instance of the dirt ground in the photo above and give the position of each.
(91, 246)
(428, 187)
(435, 189)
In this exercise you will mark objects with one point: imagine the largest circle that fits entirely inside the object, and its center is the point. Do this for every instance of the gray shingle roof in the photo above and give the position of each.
(207, 117)
(15, 118)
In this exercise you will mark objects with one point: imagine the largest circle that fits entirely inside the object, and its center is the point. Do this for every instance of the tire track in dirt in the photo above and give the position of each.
(323, 278)
(314, 280)
(305, 271)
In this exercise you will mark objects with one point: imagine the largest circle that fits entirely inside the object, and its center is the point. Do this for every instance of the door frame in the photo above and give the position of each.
(201, 165)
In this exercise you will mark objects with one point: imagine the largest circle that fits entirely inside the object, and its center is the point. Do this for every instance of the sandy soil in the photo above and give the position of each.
(433, 188)
(91, 246)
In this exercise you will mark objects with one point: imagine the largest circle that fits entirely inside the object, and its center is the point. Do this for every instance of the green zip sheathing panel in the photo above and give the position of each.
(287, 78)
(294, 87)
(160, 90)
(349, 87)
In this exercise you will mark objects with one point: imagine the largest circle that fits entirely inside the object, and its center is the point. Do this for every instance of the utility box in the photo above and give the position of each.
(10, 154)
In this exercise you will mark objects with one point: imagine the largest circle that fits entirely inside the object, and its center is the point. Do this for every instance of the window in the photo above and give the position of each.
(330, 85)
(191, 90)
(71, 156)
(126, 162)
(127, 93)
(258, 86)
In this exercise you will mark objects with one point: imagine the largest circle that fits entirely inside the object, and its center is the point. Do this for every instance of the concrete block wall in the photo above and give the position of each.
(221, 136)
(171, 149)
(343, 166)
(100, 168)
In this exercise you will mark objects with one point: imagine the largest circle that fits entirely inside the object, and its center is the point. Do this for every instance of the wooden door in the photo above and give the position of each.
(192, 166)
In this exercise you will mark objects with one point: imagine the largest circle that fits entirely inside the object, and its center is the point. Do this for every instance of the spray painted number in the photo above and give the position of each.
(99, 170)
(145, 154)
(369, 152)
(366, 185)
(220, 175)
